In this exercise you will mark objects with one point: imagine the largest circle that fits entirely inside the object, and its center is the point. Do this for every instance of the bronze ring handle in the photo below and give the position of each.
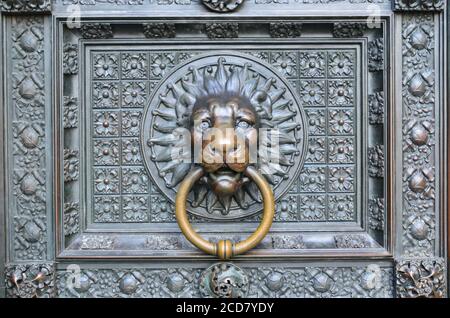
(224, 249)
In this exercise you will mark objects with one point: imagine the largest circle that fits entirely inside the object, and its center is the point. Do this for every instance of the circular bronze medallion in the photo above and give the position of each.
(235, 79)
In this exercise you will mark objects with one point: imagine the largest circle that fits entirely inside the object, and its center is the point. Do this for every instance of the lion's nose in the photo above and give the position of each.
(224, 148)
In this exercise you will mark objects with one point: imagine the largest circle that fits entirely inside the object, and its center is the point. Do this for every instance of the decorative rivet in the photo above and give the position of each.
(29, 138)
(322, 283)
(275, 281)
(128, 284)
(419, 229)
(417, 183)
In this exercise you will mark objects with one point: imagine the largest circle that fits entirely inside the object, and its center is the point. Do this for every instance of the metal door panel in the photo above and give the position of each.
(372, 84)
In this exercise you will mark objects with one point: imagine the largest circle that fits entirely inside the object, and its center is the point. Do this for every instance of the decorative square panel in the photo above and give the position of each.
(105, 94)
(134, 94)
(341, 93)
(341, 150)
(313, 207)
(135, 209)
(317, 150)
(106, 181)
(106, 123)
(312, 64)
(106, 152)
(341, 121)
(134, 180)
(285, 63)
(107, 209)
(317, 121)
(121, 197)
(312, 92)
(341, 207)
(131, 152)
(134, 65)
(161, 63)
(341, 64)
(131, 120)
(105, 66)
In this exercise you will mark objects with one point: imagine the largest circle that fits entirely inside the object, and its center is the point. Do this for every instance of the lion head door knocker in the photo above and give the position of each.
(226, 133)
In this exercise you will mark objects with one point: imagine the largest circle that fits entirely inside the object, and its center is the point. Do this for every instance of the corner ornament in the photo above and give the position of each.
(222, 6)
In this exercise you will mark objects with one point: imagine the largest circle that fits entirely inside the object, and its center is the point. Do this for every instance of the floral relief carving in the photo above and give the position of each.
(341, 150)
(312, 207)
(106, 66)
(106, 152)
(107, 209)
(134, 65)
(341, 207)
(285, 29)
(348, 29)
(419, 5)
(131, 152)
(130, 123)
(286, 209)
(159, 30)
(418, 278)
(340, 93)
(341, 179)
(106, 180)
(31, 6)
(288, 242)
(161, 209)
(312, 93)
(323, 283)
(71, 218)
(376, 55)
(370, 281)
(135, 209)
(316, 150)
(312, 179)
(316, 121)
(96, 31)
(105, 95)
(106, 123)
(97, 242)
(71, 165)
(222, 5)
(376, 108)
(70, 112)
(285, 63)
(163, 243)
(376, 161)
(26, 125)
(134, 94)
(134, 180)
(341, 121)
(312, 64)
(227, 30)
(352, 241)
(70, 59)
(376, 214)
(30, 281)
(161, 63)
(341, 64)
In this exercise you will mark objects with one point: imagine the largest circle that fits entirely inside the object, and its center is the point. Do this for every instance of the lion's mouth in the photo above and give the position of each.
(224, 172)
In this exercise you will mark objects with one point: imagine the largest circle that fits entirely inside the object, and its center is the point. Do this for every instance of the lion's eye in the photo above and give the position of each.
(243, 124)
(205, 125)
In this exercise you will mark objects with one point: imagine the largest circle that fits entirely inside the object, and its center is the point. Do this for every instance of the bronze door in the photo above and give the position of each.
(342, 197)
